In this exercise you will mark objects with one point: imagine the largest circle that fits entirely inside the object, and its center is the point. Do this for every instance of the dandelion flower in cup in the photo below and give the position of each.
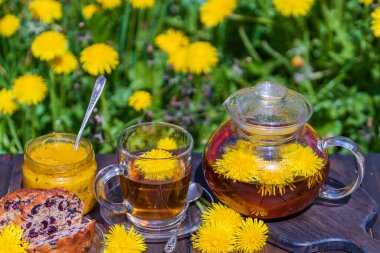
(202, 57)
(7, 103)
(99, 59)
(29, 89)
(46, 11)
(213, 238)
(140, 100)
(375, 23)
(179, 60)
(120, 241)
(64, 64)
(141, 4)
(9, 24)
(49, 45)
(251, 236)
(293, 7)
(167, 143)
(366, 2)
(109, 4)
(219, 213)
(213, 12)
(171, 41)
(237, 164)
(157, 164)
(89, 10)
(12, 240)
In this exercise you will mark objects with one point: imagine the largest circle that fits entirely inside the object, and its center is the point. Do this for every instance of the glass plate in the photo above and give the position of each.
(188, 226)
(98, 242)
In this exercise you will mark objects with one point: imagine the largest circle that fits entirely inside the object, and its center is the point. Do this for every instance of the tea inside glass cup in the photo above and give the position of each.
(154, 171)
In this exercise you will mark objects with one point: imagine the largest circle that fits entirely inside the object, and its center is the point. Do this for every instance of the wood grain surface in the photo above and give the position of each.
(11, 179)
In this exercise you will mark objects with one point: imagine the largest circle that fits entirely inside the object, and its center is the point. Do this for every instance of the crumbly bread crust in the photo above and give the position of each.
(45, 215)
(49, 212)
(77, 242)
(12, 204)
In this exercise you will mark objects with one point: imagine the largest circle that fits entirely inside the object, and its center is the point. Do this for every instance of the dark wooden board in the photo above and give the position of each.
(183, 245)
(342, 164)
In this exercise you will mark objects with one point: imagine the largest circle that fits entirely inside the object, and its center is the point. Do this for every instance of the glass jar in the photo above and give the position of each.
(51, 161)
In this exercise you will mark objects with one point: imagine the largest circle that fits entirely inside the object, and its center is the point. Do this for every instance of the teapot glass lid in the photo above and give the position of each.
(269, 104)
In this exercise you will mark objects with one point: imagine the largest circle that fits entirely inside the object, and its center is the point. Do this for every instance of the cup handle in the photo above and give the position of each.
(101, 180)
(327, 192)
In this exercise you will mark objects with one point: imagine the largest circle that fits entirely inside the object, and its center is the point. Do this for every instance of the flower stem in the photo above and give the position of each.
(32, 121)
(53, 100)
(14, 134)
(259, 20)
(248, 45)
(277, 56)
(124, 27)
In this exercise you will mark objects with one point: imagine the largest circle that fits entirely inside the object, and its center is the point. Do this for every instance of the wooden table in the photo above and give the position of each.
(11, 179)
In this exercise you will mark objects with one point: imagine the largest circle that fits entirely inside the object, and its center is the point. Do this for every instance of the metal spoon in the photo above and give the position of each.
(195, 192)
(96, 92)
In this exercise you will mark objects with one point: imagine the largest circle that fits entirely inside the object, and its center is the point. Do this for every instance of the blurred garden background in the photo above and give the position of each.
(178, 60)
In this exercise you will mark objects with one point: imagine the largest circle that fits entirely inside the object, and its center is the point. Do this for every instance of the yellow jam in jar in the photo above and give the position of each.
(51, 161)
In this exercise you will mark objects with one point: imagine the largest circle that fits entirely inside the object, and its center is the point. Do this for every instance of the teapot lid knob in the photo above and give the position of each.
(270, 92)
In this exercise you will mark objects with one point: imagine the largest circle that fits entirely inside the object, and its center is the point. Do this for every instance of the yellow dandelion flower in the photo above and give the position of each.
(366, 2)
(251, 236)
(119, 240)
(141, 4)
(293, 7)
(9, 24)
(375, 23)
(140, 100)
(99, 59)
(157, 164)
(49, 45)
(109, 4)
(245, 145)
(315, 179)
(237, 164)
(171, 41)
(214, 12)
(202, 57)
(12, 240)
(219, 213)
(213, 238)
(302, 161)
(167, 143)
(7, 102)
(29, 89)
(64, 64)
(258, 211)
(89, 10)
(178, 59)
(46, 11)
(274, 177)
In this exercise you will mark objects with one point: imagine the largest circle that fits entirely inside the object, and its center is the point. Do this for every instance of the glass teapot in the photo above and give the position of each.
(266, 161)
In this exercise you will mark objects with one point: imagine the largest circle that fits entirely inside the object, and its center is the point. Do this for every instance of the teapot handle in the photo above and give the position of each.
(327, 192)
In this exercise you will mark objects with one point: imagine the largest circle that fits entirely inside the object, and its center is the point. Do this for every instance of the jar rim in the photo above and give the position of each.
(59, 138)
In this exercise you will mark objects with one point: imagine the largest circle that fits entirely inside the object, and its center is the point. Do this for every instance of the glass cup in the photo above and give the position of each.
(154, 171)
(51, 161)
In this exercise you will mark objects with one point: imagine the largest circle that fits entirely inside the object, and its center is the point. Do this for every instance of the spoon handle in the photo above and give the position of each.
(96, 92)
